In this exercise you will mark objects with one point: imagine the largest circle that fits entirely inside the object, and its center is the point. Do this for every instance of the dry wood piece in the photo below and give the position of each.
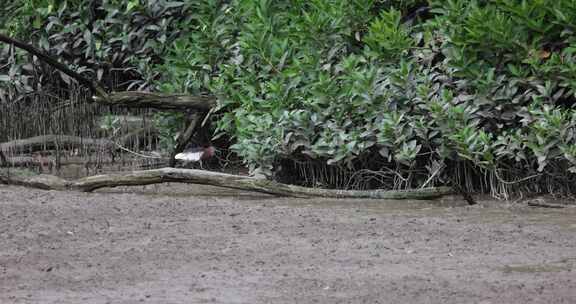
(25, 178)
(157, 101)
(48, 142)
(156, 176)
(51, 142)
(24, 161)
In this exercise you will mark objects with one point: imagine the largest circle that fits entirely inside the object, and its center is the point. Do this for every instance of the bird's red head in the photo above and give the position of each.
(209, 151)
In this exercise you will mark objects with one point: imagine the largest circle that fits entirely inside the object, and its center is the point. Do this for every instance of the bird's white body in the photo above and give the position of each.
(190, 156)
(195, 154)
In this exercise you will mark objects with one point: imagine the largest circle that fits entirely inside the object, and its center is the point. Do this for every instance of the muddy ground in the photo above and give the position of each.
(192, 244)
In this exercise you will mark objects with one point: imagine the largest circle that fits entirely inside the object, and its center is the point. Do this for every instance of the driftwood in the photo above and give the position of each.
(49, 142)
(27, 160)
(157, 101)
(25, 178)
(52, 141)
(156, 176)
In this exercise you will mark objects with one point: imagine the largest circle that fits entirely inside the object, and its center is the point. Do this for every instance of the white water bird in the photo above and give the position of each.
(195, 154)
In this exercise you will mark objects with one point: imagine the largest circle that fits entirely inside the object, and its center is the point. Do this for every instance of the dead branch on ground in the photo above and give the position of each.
(163, 175)
(49, 142)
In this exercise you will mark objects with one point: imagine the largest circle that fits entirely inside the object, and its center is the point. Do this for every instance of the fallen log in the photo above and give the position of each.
(49, 142)
(160, 101)
(52, 142)
(163, 175)
(23, 161)
(27, 178)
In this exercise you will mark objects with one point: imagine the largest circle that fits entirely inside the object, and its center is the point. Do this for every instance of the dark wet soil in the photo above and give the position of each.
(191, 244)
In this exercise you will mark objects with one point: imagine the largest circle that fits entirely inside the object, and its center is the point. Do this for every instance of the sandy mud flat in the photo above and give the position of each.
(192, 244)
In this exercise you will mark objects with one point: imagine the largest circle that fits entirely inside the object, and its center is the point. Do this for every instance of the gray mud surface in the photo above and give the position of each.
(192, 244)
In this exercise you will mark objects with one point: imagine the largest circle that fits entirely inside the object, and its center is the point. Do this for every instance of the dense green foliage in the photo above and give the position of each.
(398, 93)
(420, 88)
(481, 90)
